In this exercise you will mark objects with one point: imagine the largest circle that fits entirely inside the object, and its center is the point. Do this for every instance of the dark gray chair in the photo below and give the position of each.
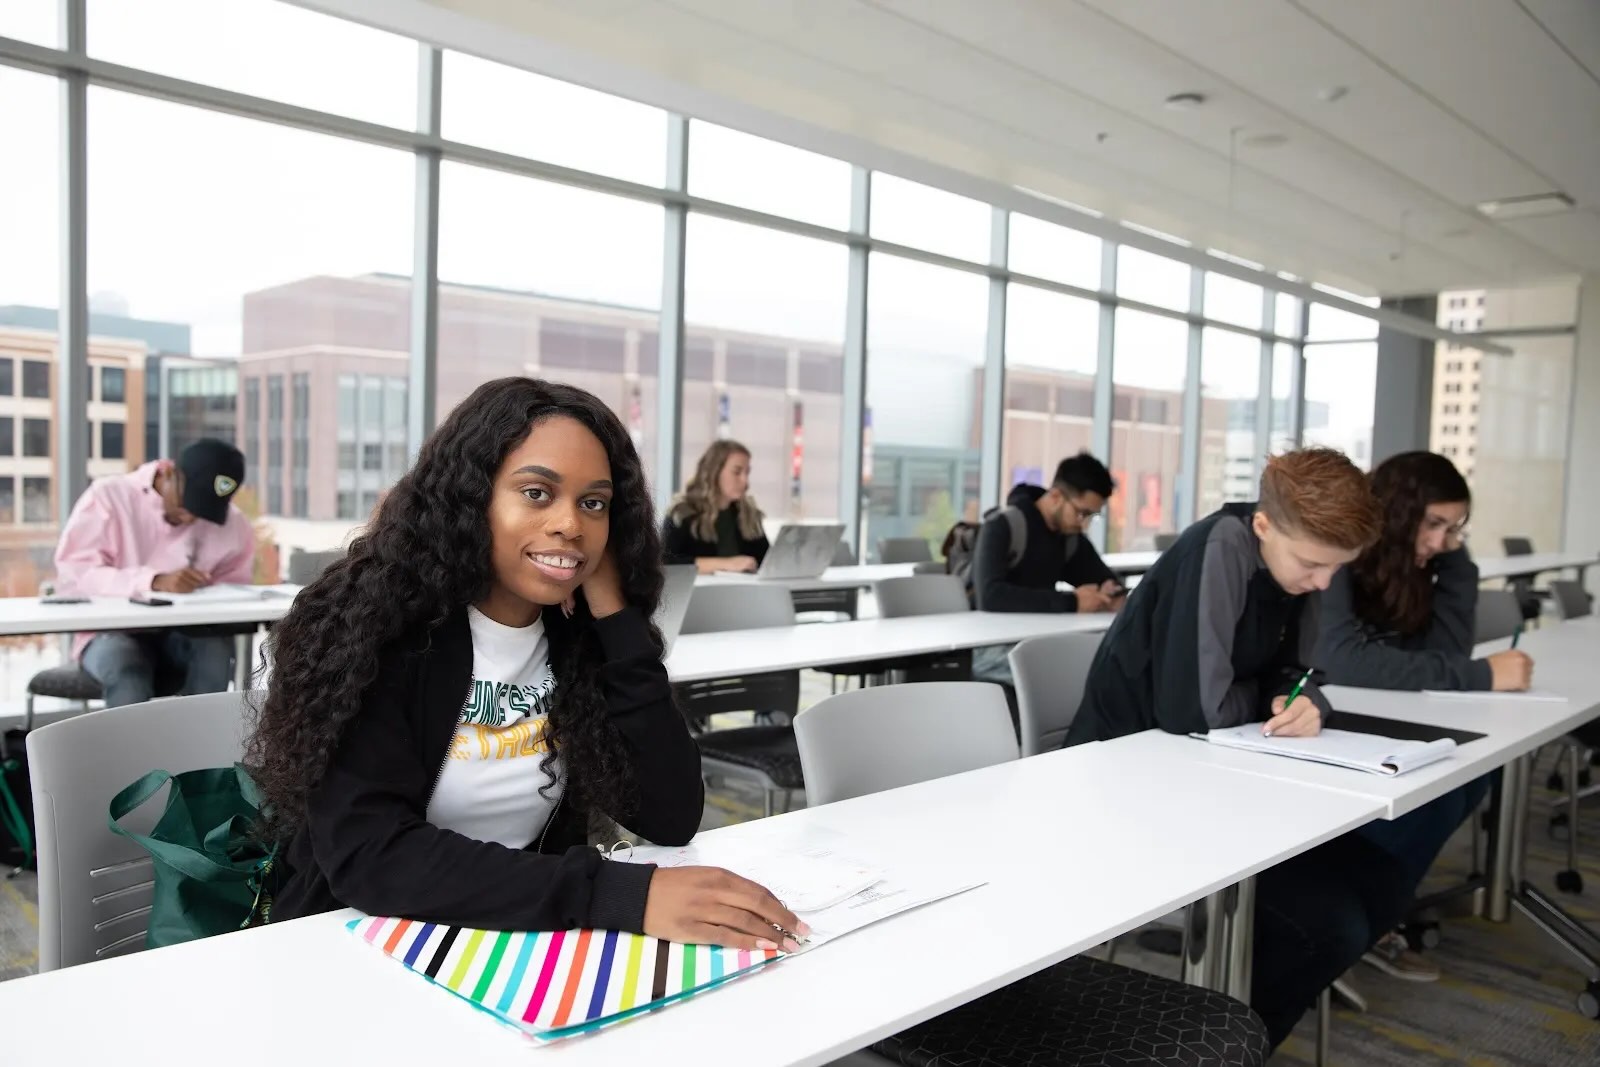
(904, 550)
(763, 754)
(66, 682)
(1499, 615)
(1529, 600)
(1080, 1013)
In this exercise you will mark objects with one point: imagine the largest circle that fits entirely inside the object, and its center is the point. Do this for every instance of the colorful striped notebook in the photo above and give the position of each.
(555, 985)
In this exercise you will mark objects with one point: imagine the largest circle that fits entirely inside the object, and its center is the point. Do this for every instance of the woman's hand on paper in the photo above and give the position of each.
(711, 906)
(1300, 719)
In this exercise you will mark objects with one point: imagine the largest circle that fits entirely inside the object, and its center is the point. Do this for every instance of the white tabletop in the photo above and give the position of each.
(697, 657)
(30, 615)
(1520, 566)
(832, 578)
(1563, 655)
(1118, 841)
(862, 577)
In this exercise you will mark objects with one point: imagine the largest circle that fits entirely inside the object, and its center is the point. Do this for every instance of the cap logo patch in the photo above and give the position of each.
(224, 485)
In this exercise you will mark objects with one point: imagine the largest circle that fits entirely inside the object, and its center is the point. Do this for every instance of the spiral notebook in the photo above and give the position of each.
(1357, 751)
(556, 985)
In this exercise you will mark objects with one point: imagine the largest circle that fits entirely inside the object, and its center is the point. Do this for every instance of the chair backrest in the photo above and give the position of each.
(904, 550)
(1050, 673)
(921, 594)
(1572, 601)
(867, 740)
(306, 567)
(1499, 614)
(743, 606)
(843, 555)
(1165, 541)
(1517, 546)
(95, 887)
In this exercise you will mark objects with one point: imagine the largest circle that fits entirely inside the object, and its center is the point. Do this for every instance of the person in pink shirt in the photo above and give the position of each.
(163, 528)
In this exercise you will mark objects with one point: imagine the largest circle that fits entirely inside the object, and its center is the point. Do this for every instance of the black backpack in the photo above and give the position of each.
(16, 805)
(961, 543)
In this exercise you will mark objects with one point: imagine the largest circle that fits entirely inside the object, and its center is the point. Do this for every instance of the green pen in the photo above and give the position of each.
(1293, 694)
(1516, 635)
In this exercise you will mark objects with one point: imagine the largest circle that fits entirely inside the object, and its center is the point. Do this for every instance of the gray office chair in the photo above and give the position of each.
(306, 567)
(923, 594)
(94, 887)
(1050, 673)
(763, 754)
(835, 601)
(1499, 615)
(904, 550)
(1165, 541)
(66, 682)
(1078, 1013)
(869, 740)
(1571, 599)
(1529, 599)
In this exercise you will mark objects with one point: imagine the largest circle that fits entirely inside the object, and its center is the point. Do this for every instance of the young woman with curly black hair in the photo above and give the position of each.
(453, 702)
(1402, 617)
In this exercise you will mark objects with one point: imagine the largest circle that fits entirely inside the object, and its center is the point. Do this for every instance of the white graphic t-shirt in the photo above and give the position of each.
(490, 786)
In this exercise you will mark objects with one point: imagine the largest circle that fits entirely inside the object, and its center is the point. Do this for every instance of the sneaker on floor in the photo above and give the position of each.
(1393, 956)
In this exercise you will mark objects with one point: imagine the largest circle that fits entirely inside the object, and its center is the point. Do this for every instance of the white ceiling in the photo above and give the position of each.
(1448, 104)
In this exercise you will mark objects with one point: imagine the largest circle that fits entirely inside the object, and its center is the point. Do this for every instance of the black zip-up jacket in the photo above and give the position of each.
(1048, 558)
(1206, 640)
(366, 842)
(680, 545)
(1355, 652)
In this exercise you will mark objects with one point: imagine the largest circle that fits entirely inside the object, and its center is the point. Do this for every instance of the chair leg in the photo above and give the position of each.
(766, 806)
(27, 713)
(1324, 1024)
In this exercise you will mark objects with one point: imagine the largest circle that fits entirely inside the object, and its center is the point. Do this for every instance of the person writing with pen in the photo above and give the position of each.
(166, 527)
(1211, 638)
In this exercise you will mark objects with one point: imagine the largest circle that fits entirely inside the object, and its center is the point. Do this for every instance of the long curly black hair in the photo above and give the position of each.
(425, 556)
(1390, 590)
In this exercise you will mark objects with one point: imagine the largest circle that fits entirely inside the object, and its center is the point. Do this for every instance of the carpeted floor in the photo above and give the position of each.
(1507, 995)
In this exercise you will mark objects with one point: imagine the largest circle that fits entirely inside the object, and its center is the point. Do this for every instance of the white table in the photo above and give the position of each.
(865, 576)
(1491, 568)
(1120, 844)
(699, 657)
(31, 615)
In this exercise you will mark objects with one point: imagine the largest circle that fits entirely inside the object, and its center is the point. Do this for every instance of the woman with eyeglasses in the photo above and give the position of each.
(1402, 617)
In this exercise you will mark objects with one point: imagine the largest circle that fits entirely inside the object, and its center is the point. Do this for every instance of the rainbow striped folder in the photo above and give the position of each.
(555, 985)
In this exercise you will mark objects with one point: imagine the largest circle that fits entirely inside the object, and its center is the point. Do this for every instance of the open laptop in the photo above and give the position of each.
(801, 550)
(675, 596)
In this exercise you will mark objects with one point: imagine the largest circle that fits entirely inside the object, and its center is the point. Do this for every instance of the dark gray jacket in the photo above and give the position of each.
(1352, 651)
(1206, 640)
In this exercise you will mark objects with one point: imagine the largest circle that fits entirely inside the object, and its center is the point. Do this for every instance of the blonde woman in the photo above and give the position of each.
(714, 523)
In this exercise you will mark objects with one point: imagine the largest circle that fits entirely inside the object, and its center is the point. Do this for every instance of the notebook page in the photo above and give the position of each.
(1365, 752)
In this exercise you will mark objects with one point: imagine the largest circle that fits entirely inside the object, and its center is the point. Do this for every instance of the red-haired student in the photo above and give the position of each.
(1210, 639)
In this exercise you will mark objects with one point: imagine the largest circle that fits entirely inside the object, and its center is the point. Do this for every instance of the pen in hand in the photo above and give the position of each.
(1288, 701)
(1516, 635)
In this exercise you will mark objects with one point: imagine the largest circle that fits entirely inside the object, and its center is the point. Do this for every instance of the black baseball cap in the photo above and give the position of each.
(212, 472)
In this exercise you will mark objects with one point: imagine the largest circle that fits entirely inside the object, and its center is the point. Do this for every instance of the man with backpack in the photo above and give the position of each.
(1022, 550)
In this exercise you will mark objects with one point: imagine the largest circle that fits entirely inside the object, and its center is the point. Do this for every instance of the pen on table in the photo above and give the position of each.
(1294, 694)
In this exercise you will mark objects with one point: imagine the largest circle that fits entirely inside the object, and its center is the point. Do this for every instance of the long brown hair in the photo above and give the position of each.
(1390, 590)
(697, 504)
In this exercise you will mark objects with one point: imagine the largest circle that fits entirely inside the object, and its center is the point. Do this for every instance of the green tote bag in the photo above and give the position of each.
(211, 876)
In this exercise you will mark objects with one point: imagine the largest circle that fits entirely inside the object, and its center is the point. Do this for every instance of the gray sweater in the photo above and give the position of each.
(1354, 652)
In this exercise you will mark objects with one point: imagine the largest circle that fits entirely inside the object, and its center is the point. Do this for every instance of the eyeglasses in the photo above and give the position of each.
(1458, 530)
